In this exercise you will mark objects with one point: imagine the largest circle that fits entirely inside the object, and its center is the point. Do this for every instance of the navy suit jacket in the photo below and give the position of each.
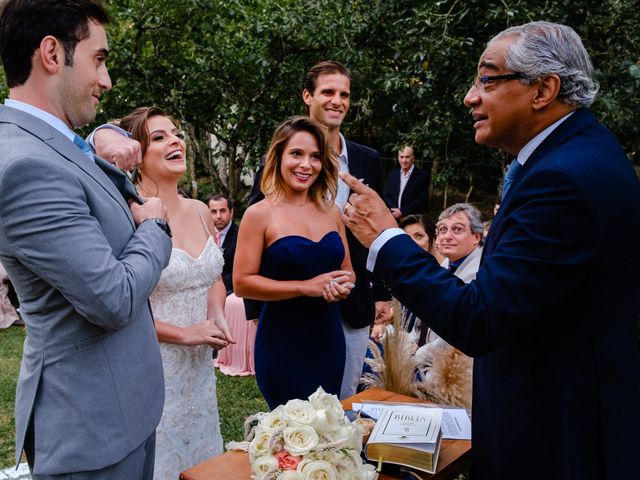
(228, 252)
(414, 195)
(551, 317)
(358, 309)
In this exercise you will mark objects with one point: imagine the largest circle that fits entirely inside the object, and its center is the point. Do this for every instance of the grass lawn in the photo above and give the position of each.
(238, 397)
(10, 352)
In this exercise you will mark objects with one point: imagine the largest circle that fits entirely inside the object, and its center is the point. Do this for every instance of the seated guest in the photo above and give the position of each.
(460, 232)
(221, 209)
(406, 190)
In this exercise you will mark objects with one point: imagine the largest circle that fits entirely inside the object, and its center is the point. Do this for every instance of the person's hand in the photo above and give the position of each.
(204, 333)
(365, 214)
(338, 289)
(396, 212)
(378, 331)
(383, 313)
(151, 208)
(223, 326)
(316, 286)
(115, 148)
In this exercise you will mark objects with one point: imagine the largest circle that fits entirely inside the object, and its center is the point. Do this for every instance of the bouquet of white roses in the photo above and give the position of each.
(308, 440)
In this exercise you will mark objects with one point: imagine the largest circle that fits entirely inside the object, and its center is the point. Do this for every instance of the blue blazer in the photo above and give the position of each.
(552, 316)
(414, 195)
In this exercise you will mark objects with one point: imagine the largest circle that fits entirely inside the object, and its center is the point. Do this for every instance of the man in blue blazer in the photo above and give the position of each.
(552, 315)
(406, 190)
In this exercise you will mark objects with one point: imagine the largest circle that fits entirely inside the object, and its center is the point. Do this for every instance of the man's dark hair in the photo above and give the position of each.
(216, 197)
(323, 68)
(24, 23)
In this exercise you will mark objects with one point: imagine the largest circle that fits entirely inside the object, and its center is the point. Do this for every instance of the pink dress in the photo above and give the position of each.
(237, 359)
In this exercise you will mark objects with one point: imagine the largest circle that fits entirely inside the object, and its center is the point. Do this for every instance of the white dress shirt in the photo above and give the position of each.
(343, 164)
(404, 178)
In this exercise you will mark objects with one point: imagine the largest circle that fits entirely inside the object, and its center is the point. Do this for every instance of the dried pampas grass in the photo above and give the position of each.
(445, 371)
(393, 370)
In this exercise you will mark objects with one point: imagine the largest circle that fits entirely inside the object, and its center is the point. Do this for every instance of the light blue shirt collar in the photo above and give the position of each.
(46, 117)
(530, 147)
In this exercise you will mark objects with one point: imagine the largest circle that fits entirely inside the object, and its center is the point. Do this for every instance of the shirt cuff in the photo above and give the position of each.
(378, 243)
(121, 131)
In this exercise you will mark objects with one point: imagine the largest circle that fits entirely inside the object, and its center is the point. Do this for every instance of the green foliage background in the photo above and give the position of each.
(232, 70)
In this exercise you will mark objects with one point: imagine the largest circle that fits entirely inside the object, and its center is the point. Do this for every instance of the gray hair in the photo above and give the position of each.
(543, 48)
(472, 213)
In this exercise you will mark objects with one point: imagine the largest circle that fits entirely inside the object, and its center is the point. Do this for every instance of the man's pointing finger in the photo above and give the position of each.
(354, 184)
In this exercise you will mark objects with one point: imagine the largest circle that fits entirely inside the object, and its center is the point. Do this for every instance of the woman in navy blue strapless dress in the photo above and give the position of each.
(292, 252)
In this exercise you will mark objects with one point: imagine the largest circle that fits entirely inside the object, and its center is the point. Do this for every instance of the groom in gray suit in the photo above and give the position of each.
(83, 252)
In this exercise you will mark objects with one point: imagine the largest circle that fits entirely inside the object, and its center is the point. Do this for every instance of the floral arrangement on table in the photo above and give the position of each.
(306, 440)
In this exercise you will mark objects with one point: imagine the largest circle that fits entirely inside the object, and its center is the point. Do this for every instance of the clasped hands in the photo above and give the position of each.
(208, 333)
(332, 286)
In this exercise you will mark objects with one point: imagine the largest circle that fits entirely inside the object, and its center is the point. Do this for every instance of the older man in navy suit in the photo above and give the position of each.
(551, 317)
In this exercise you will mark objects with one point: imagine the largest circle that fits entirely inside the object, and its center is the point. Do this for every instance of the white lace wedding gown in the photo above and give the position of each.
(189, 431)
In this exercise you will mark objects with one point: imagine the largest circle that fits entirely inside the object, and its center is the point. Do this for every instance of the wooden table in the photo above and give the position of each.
(455, 455)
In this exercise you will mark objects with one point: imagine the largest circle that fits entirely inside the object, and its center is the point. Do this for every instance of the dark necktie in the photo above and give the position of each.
(512, 171)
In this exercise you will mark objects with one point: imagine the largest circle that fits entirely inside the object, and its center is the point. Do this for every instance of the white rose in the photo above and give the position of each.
(274, 420)
(358, 475)
(367, 472)
(345, 460)
(300, 440)
(259, 446)
(290, 475)
(349, 434)
(299, 412)
(331, 405)
(265, 465)
(319, 470)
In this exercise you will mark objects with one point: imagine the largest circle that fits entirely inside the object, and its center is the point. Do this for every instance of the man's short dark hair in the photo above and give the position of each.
(323, 68)
(24, 23)
(216, 197)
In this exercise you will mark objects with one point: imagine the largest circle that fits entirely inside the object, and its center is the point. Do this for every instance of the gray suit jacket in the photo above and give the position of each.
(91, 383)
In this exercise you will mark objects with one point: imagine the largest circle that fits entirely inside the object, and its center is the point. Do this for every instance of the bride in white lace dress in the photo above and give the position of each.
(187, 304)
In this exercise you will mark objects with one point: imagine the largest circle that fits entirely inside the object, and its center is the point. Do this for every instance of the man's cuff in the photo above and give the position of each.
(121, 131)
(378, 243)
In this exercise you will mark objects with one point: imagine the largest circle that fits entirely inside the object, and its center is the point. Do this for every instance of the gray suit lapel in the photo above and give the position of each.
(95, 170)
(114, 182)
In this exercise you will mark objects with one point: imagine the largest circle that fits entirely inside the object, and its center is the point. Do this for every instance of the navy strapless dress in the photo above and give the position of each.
(299, 343)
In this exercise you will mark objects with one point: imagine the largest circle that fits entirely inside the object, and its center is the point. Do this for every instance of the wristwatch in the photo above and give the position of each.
(162, 223)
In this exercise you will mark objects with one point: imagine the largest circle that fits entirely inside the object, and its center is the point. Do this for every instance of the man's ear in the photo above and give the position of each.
(50, 54)
(306, 97)
(547, 90)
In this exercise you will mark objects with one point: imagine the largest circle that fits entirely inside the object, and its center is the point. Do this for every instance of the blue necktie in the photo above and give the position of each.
(84, 146)
(512, 171)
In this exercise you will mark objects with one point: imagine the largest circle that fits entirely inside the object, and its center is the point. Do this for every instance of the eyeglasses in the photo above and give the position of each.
(480, 83)
(455, 230)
